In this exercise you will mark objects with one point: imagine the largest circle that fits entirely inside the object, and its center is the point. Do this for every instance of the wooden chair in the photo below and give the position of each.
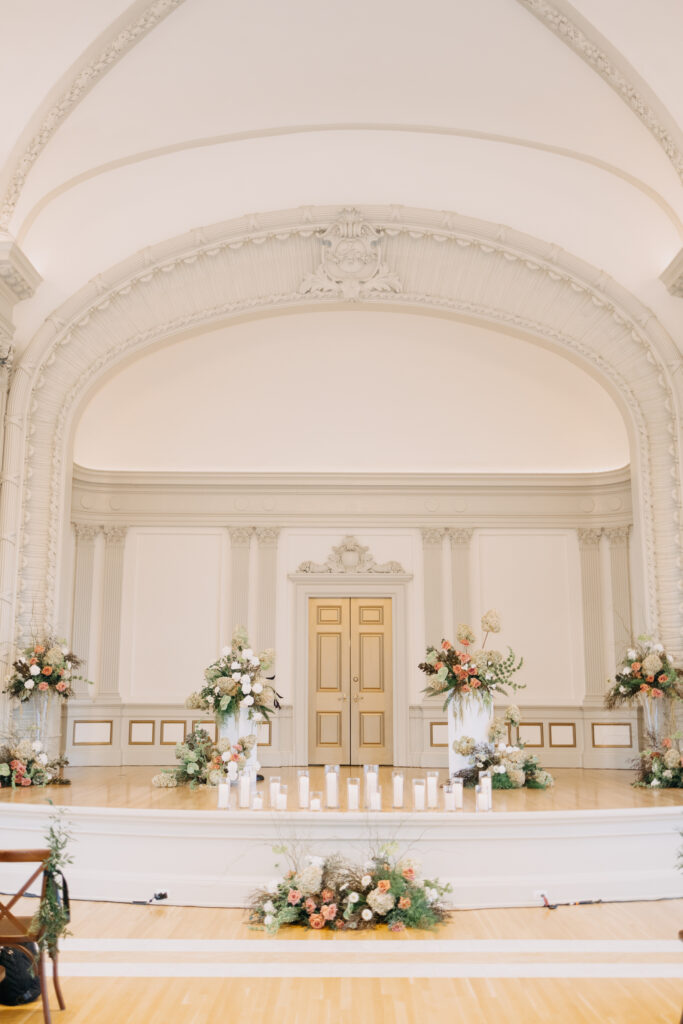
(15, 930)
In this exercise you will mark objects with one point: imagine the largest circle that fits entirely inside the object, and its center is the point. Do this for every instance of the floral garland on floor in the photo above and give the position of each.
(466, 675)
(661, 766)
(205, 763)
(510, 766)
(23, 762)
(336, 894)
(45, 666)
(236, 680)
(646, 671)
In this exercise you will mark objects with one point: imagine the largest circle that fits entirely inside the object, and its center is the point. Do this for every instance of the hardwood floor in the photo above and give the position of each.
(128, 786)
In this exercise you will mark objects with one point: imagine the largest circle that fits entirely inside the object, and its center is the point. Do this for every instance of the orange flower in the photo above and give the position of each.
(47, 670)
(43, 685)
(446, 645)
(404, 903)
(465, 688)
(409, 874)
(472, 670)
(39, 650)
(656, 693)
(33, 661)
(25, 781)
(397, 926)
(293, 896)
(636, 666)
(316, 921)
(384, 885)
(329, 911)
(309, 905)
(650, 679)
(644, 687)
(339, 923)
(662, 678)
(326, 895)
(666, 743)
(438, 665)
(475, 683)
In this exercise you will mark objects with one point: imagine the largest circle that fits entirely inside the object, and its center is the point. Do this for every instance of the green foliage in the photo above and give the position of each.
(46, 666)
(502, 781)
(50, 922)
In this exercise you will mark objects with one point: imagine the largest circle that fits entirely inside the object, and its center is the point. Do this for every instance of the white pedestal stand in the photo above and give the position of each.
(467, 717)
(234, 728)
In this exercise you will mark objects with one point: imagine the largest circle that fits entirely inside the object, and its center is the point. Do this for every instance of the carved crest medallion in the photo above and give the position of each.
(351, 261)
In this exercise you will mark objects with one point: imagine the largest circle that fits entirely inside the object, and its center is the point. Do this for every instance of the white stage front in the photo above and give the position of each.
(212, 858)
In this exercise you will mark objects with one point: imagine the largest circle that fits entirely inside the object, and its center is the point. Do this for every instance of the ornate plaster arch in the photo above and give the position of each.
(430, 261)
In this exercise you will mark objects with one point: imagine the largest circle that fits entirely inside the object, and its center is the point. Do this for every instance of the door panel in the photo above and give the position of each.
(371, 681)
(329, 663)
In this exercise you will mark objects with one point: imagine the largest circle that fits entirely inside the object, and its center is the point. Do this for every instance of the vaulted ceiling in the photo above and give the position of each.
(126, 124)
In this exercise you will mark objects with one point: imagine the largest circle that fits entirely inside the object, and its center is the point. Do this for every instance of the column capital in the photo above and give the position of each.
(617, 534)
(432, 534)
(589, 537)
(240, 536)
(115, 534)
(87, 531)
(267, 535)
(461, 535)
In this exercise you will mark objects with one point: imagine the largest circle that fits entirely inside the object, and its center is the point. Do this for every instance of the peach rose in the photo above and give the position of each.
(397, 926)
(329, 911)
(636, 666)
(326, 895)
(17, 766)
(43, 685)
(47, 670)
(61, 687)
(316, 921)
(409, 874)
(666, 743)
(384, 885)
(39, 650)
(438, 665)
(309, 905)
(656, 693)
(446, 645)
(404, 903)
(25, 781)
(475, 683)
(465, 689)
(662, 678)
(644, 687)
(339, 923)
(33, 661)
(293, 896)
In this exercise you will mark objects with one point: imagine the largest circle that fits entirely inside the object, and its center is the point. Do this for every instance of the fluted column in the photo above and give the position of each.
(240, 540)
(112, 583)
(461, 538)
(593, 625)
(86, 537)
(621, 589)
(432, 545)
(267, 537)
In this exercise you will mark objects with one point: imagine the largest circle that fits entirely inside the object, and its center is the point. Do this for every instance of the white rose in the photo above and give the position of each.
(257, 688)
(235, 665)
(35, 670)
(216, 689)
(254, 662)
(366, 914)
(29, 684)
(226, 755)
(209, 698)
(622, 689)
(316, 861)
(631, 654)
(268, 920)
(509, 749)
(667, 774)
(247, 701)
(655, 782)
(489, 675)
(64, 650)
(36, 745)
(272, 885)
(659, 648)
(627, 671)
(501, 745)
(226, 652)
(366, 880)
(245, 678)
(66, 675)
(247, 653)
(246, 687)
(269, 907)
(236, 676)
(42, 759)
(353, 897)
(232, 770)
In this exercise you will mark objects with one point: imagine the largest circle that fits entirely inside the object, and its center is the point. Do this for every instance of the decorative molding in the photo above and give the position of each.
(352, 558)
(114, 535)
(460, 535)
(527, 286)
(672, 277)
(84, 77)
(267, 536)
(617, 534)
(17, 273)
(86, 531)
(432, 534)
(240, 536)
(352, 261)
(590, 537)
(594, 53)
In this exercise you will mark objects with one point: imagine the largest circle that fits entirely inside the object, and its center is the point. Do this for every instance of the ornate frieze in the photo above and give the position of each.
(432, 534)
(590, 537)
(351, 263)
(240, 536)
(351, 557)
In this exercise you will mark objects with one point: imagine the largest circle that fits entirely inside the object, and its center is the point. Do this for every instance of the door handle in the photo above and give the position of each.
(357, 698)
(343, 697)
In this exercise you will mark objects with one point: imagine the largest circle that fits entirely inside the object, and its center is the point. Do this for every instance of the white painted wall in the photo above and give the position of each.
(353, 390)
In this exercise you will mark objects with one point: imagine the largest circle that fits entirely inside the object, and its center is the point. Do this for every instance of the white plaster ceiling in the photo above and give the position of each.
(225, 109)
(352, 391)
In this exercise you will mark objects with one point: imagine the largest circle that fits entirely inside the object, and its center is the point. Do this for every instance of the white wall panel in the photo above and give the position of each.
(174, 611)
(533, 579)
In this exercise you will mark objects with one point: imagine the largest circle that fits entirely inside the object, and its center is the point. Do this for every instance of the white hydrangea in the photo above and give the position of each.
(366, 914)
(490, 621)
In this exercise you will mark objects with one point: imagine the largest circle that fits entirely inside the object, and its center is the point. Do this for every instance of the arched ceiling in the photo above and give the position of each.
(132, 124)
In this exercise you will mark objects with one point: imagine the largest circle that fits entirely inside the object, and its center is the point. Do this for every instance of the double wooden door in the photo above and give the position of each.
(350, 696)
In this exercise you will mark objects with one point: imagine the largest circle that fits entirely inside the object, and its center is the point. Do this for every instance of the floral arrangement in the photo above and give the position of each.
(661, 767)
(236, 681)
(44, 667)
(203, 762)
(464, 674)
(510, 766)
(51, 920)
(646, 671)
(335, 894)
(23, 762)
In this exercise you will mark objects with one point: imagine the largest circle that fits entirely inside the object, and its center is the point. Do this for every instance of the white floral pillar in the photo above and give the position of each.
(267, 537)
(108, 678)
(621, 589)
(432, 545)
(86, 539)
(240, 541)
(593, 625)
(461, 539)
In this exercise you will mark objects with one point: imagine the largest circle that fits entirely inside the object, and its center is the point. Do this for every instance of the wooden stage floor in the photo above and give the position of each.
(131, 787)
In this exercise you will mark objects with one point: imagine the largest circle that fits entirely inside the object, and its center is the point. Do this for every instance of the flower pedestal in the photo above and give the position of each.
(657, 718)
(39, 719)
(466, 717)
(234, 727)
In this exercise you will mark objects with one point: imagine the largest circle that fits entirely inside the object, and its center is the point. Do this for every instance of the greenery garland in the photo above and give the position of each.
(51, 920)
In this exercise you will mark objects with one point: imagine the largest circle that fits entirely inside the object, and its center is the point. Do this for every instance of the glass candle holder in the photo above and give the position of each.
(419, 794)
(331, 786)
(257, 802)
(432, 790)
(223, 796)
(316, 801)
(304, 788)
(371, 773)
(273, 790)
(448, 797)
(376, 800)
(397, 788)
(458, 793)
(244, 790)
(353, 794)
(282, 799)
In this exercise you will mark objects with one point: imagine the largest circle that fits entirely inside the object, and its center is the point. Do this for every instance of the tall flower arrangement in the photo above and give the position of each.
(237, 680)
(470, 672)
(46, 666)
(647, 674)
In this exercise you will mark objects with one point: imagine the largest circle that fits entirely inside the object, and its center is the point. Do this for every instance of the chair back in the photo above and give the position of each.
(39, 856)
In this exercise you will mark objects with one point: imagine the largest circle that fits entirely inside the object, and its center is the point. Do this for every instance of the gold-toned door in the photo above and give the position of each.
(350, 681)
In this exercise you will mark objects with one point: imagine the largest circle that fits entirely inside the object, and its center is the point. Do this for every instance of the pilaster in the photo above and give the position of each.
(240, 542)
(461, 540)
(593, 625)
(267, 538)
(86, 538)
(112, 583)
(621, 589)
(432, 546)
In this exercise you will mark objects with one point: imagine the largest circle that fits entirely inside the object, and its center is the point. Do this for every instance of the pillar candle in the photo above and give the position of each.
(448, 798)
(370, 786)
(223, 796)
(353, 794)
(458, 794)
(331, 787)
(282, 799)
(398, 789)
(419, 794)
(257, 802)
(316, 802)
(432, 789)
(245, 789)
(304, 789)
(376, 800)
(274, 791)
